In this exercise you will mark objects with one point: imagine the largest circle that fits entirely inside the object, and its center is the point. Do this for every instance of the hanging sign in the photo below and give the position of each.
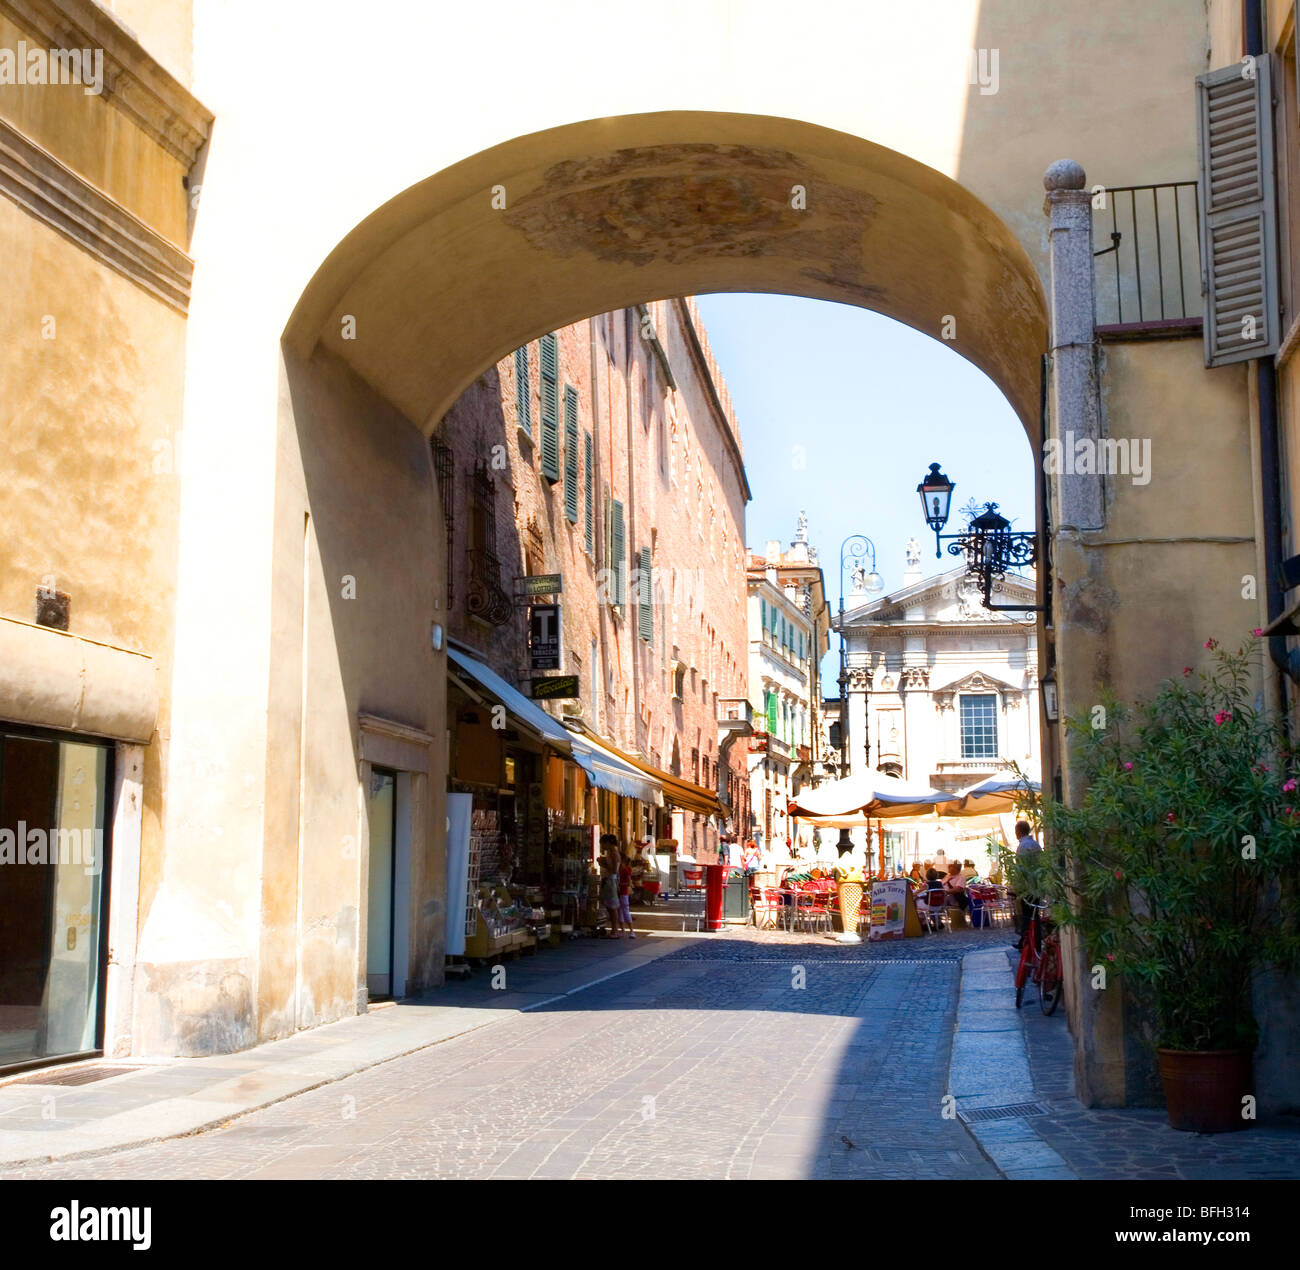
(544, 636)
(888, 909)
(555, 687)
(543, 584)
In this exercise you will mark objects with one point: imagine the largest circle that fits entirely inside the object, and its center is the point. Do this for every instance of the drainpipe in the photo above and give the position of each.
(1253, 39)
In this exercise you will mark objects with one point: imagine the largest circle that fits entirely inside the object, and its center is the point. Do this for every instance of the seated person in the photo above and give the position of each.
(955, 886)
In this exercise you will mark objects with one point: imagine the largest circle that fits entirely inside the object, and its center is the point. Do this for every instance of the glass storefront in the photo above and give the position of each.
(53, 893)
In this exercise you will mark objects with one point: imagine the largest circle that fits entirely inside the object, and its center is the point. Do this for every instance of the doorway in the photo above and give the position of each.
(388, 889)
(380, 893)
(53, 853)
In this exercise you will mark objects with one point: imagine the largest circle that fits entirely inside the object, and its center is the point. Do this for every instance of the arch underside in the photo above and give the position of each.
(530, 236)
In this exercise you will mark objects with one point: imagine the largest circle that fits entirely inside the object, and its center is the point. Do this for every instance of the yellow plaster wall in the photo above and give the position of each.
(100, 143)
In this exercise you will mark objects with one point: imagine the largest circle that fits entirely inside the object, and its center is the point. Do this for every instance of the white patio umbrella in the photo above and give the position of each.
(855, 800)
(993, 795)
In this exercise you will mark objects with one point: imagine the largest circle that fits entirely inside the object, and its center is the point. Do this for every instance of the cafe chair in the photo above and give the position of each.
(692, 887)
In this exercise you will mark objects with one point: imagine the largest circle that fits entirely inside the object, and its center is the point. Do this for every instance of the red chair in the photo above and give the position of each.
(933, 905)
(811, 907)
(765, 906)
(692, 886)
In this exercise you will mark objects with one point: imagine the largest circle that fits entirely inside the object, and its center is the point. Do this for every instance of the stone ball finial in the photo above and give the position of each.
(1065, 174)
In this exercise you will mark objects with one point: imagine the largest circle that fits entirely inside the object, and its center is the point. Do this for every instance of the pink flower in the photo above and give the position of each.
(1119, 873)
(1128, 767)
(1223, 717)
(1169, 817)
(1110, 956)
(1211, 643)
(1289, 786)
(1259, 630)
(1287, 810)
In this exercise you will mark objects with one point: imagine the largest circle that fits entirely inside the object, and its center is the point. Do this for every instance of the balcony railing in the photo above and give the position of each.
(1146, 256)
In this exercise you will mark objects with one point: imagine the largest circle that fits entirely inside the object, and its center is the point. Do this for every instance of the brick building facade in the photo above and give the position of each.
(608, 453)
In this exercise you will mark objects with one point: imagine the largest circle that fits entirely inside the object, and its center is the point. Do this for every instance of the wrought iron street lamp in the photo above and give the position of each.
(988, 544)
(856, 547)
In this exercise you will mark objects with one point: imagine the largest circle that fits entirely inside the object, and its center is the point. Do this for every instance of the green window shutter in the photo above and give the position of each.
(589, 495)
(645, 591)
(771, 713)
(571, 453)
(618, 548)
(550, 382)
(523, 393)
(1237, 211)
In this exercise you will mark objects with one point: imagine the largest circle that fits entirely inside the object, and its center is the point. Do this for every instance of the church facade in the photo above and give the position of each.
(942, 691)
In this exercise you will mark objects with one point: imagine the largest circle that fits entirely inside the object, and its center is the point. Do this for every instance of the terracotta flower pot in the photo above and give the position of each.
(1204, 1089)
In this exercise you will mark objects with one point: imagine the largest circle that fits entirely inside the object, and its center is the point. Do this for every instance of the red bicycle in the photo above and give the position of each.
(1040, 961)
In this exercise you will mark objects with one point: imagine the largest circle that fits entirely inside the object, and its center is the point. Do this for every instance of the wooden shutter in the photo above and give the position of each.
(771, 713)
(571, 453)
(1238, 213)
(589, 494)
(645, 592)
(550, 384)
(617, 548)
(523, 391)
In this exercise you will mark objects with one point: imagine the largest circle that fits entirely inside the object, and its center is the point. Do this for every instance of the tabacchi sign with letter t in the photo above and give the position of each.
(544, 636)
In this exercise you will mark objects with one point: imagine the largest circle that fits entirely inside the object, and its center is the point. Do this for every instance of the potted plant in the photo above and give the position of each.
(1175, 869)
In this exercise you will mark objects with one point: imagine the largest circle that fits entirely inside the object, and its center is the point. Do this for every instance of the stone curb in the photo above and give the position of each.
(990, 1068)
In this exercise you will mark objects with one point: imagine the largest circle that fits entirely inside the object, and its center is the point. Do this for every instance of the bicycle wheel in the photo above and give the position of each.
(1051, 983)
(1023, 972)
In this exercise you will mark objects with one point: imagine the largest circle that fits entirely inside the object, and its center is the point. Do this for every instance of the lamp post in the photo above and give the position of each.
(988, 544)
(856, 547)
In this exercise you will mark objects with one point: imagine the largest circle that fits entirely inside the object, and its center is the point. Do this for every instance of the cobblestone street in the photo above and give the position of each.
(733, 1058)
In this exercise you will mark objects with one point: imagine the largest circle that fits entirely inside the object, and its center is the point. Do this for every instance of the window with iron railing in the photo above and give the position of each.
(1146, 256)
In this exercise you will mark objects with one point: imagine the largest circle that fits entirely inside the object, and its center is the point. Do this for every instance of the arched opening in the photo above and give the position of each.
(428, 294)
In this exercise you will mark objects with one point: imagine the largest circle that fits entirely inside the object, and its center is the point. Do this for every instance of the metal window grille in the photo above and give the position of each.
(444, 467)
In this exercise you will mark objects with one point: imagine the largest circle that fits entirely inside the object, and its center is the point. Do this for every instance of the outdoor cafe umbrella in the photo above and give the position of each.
(858, 799)
(994, 794)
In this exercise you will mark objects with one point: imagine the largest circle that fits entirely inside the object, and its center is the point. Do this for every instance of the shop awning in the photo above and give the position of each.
(604, 769)
(680, 793)
(608, 771)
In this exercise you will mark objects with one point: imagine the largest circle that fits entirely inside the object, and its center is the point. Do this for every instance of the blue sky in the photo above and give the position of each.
(873, 403)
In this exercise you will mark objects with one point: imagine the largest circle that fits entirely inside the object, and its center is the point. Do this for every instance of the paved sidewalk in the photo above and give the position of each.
(1004, 1058)
(166, 1099)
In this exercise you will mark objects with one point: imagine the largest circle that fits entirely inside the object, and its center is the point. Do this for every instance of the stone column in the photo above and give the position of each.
(1074, 405)
(1080, 603)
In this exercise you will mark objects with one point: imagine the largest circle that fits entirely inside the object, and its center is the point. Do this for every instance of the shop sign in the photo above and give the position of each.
(544, 584)
(888, 909)
(555, 687)
(544, 636)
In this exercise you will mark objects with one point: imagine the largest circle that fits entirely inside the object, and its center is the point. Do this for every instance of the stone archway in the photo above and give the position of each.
(434, 287)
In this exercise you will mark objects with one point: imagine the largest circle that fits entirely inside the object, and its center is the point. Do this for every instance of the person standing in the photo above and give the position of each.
(1026, 844)
(625, 896)
(609, 883)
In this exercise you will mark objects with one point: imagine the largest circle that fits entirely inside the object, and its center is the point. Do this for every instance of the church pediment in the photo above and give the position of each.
(949, 597)
(977, 681)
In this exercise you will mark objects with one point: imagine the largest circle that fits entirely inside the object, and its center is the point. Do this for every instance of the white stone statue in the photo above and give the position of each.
(859, 579)
(801, 528)
(913, 550)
